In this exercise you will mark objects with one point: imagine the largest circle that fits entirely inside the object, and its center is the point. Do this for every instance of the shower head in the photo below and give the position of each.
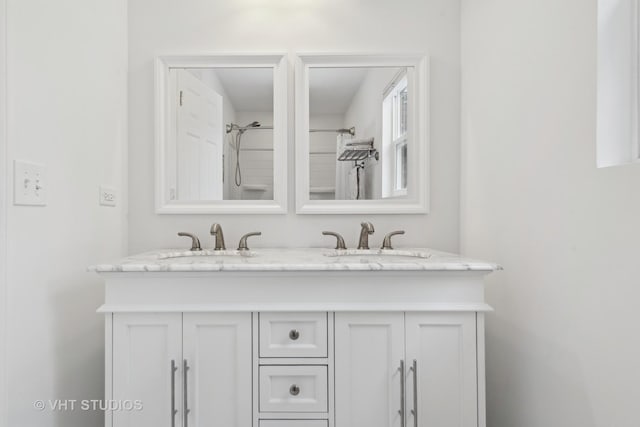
(241, 129)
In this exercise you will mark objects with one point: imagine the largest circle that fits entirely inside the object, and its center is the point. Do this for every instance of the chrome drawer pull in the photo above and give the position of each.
(294, 390)
(294, 334)
(402, 395)
(414, 411)
(185, 403)
(174, 411)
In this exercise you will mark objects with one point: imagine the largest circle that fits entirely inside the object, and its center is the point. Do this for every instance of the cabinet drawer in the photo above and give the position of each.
(293, 388)
(294, 423)
(293, 334)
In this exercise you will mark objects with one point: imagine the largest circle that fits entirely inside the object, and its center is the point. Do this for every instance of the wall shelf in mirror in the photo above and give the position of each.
(221, 134)
(381, 166)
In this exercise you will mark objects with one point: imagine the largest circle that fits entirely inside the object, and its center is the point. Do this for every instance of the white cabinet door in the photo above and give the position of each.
(217, 350)
(368, 351)
(144, 348)
(443, 346)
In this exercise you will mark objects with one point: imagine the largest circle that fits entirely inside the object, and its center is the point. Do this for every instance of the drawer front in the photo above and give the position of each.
(293, 388)
(293, 334)
(294, 423)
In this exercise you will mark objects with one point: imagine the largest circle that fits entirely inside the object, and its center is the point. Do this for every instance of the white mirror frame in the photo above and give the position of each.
(163, 109)
(417, 201)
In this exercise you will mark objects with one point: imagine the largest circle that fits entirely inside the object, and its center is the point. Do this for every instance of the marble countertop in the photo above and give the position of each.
(289, 259)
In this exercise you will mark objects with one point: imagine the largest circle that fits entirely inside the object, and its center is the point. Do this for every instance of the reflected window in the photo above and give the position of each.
(395, 136)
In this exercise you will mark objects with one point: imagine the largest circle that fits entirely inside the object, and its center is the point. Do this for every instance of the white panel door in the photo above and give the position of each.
(199, 139)
(145, 346)
(443, 346)
(368, 351)
(217, 350)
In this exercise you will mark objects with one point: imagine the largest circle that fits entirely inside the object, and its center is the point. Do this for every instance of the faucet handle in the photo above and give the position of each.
(339, 240)
(386, 243)
(195, 242)
(242, 246)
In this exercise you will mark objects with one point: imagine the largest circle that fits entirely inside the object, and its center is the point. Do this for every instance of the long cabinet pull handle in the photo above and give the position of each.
(174, 411)
(402, 394)
(185, 403)
(414, 411)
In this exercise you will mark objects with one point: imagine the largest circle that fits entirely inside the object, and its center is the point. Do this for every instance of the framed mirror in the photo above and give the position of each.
(361, 134)
(221, 134)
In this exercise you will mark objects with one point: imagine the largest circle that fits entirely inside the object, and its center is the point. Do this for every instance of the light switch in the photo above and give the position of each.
(29, 184)
(107, 196)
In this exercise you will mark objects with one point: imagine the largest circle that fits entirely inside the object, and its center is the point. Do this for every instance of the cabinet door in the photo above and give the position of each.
(368, 351)
(443, 346)
(217, 351)
(144, 348)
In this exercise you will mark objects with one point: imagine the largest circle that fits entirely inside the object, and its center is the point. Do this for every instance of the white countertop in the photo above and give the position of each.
(289, 259)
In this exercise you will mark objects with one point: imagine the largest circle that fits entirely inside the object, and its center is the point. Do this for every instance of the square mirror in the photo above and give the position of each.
(221, 134)
(361, 134)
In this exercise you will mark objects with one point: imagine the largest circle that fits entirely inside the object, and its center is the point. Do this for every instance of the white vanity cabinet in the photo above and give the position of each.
(396, 369)
(185, 370)
(274, 343)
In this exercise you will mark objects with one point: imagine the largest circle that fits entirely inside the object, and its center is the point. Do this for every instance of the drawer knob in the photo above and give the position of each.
(294, 334)
(294, 390)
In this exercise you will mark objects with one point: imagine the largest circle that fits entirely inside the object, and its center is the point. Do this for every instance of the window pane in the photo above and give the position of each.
(403, 111)
(401, 166)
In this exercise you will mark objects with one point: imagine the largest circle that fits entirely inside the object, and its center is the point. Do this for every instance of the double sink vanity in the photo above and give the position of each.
(309, 337)
(295, 337)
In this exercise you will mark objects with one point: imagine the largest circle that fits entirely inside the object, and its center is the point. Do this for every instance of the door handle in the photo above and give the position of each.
(185, 388)
(414, 411)
(174, 411)
(402, 394)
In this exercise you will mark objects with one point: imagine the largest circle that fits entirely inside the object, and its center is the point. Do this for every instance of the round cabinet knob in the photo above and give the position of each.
(294, 334)
(294, 390)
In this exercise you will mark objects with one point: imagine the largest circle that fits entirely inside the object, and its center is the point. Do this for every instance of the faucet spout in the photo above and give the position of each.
(216, 230)
(365, 231)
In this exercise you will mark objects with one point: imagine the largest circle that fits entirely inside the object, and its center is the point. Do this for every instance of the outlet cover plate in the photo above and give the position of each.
(108, 196)
(29, 184)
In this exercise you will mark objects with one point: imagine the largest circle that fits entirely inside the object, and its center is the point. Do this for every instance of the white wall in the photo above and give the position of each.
(287, 25)
(3, 212)
(67, 109)
(562, 344)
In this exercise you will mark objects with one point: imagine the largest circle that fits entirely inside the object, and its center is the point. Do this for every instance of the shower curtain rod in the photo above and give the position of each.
(351, 131)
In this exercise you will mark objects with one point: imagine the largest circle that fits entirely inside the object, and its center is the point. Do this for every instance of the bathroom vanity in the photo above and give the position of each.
(296, 338)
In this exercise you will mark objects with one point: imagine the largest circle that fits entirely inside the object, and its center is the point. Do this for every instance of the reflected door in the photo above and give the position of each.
(199, 139)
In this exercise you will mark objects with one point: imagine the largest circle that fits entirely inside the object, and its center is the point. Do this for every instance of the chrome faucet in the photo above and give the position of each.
(367, 229)
(216, 230)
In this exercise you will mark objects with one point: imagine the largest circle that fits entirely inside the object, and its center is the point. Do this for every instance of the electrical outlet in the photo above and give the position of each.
(107, 196)
(29, 184)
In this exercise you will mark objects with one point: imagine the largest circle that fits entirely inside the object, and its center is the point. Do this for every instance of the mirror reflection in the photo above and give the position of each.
(360, 128)
(222, 145)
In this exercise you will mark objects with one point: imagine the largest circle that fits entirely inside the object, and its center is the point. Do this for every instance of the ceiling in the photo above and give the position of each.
(331, 90)
(248, 89)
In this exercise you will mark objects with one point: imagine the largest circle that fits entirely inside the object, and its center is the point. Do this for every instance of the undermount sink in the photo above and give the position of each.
(379, 253)
(207, 255)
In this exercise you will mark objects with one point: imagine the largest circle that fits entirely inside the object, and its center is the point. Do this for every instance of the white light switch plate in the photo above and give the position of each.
(107, 196)
(29, 184)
